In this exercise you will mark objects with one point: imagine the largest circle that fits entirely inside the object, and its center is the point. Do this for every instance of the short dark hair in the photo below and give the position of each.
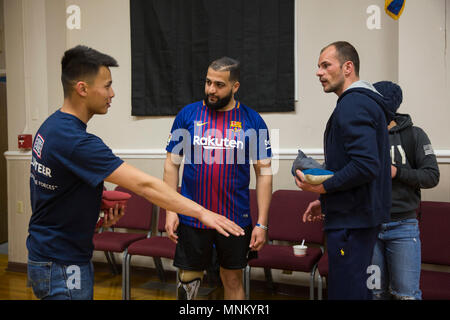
(227, 64)
(82, 63)
(345, 52)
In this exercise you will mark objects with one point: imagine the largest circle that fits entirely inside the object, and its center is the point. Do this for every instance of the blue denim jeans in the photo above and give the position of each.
(397, 253)
(53, 281)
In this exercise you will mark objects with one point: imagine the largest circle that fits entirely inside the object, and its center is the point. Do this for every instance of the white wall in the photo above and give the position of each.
(317, 21)
(405, 51)
(424, 67)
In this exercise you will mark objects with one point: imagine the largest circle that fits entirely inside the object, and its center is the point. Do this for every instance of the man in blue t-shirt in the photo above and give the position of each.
(218, 138)
(68, 168)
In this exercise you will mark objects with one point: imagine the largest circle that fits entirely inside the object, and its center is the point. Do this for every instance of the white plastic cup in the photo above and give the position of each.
(300, 250)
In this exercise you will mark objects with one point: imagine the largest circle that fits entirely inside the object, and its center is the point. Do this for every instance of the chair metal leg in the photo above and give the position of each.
(159, 269)
(125, 276)
(247, 282)
(269, 279)
(129, 277)
(319, 287)
(111, 262)
(114, 264)
(311, 282)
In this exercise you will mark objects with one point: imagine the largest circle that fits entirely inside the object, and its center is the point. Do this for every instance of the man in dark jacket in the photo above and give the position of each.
(414, 166)
(356, 200)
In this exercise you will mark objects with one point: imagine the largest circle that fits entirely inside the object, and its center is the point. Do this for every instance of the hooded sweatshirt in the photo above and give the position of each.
(409, 180)
(356, 147)
(414, 171)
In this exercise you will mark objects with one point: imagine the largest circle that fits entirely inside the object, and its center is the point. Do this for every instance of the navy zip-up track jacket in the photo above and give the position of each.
(356, 147)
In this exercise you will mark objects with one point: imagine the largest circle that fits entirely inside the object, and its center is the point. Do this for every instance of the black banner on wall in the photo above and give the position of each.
(173, 42)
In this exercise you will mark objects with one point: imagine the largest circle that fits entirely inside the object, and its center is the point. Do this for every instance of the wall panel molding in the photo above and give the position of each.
(443, 156)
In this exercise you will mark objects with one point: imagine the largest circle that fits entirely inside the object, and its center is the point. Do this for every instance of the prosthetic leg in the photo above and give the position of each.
(188, 284)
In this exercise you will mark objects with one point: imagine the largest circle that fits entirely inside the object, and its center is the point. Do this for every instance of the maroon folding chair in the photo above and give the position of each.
(434, 224)
(285, 224)
(157, 247)
(138, 217)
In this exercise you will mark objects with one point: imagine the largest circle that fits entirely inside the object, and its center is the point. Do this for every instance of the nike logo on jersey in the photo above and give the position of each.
(200, 124)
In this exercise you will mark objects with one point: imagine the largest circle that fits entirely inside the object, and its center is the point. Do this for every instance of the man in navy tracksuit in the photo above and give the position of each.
(357, 199)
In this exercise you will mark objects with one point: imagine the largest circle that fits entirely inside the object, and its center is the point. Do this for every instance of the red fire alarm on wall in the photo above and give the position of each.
(25, 141)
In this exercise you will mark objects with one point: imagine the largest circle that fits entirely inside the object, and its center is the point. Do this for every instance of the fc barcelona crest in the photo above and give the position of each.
(235, 126)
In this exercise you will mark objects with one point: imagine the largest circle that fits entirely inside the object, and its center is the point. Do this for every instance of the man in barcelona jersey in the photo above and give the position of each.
(219, 139)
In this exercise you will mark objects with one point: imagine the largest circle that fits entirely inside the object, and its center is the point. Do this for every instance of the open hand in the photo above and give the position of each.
(258, 239)
(314, 212)
(223, 225)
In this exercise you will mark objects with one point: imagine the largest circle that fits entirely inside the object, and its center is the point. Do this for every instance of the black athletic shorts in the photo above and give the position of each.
(195, 247)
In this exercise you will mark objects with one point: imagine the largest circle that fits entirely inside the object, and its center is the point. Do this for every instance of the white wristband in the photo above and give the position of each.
(262, 227)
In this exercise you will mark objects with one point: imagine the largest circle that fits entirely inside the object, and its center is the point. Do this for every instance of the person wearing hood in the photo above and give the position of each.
(356, 199)
(414, 166)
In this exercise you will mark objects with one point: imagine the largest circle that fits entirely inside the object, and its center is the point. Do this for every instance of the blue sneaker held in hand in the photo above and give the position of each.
(316, 175)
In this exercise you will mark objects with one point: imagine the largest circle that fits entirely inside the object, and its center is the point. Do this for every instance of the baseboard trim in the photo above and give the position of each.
(443, 156)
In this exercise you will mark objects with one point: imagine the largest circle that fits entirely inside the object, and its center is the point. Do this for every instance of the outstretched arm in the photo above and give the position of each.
(160, 193)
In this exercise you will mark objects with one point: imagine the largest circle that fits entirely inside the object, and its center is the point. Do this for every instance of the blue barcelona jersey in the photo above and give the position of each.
(218, 148)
